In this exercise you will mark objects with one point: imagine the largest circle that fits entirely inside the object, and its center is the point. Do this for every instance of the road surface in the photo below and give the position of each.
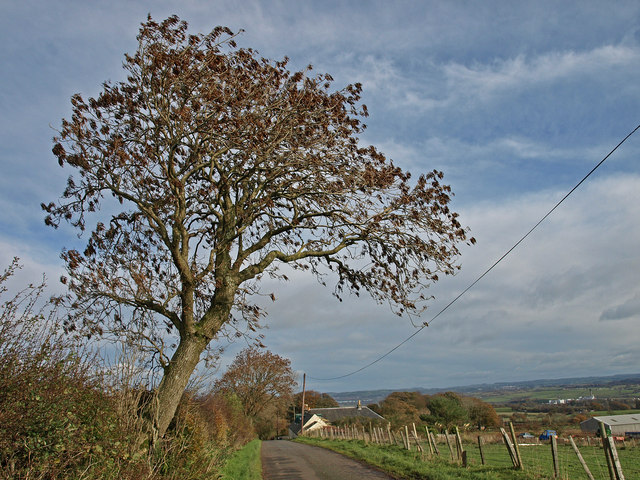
(284, 460)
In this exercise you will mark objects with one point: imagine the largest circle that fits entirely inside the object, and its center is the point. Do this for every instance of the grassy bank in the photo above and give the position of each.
(68, 413)
(245, 463)
(536, 459)
(408, 464)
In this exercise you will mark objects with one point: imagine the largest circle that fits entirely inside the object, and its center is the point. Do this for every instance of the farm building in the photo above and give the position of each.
(618, 424)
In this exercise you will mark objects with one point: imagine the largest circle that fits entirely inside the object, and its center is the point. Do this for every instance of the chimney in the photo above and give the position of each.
(359, 405)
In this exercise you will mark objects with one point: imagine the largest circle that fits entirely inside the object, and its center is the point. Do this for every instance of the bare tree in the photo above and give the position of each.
(222, 166)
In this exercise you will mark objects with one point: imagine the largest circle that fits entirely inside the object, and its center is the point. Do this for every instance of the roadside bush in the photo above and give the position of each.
(228, 427)
(56, 421)
(65, 415)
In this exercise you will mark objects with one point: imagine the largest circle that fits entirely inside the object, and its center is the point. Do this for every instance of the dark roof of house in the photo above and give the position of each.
(295, 427)
(339, 413)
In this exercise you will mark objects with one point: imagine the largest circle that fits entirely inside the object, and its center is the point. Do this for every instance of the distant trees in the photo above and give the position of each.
(403, 408)
(314, 399)
(444, 410)
(481, 414)
(618, 405)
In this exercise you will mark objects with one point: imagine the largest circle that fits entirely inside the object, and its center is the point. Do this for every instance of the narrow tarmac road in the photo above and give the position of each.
(284, 460)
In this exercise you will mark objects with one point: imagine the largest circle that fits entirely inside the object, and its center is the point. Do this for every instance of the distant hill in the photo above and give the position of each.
(485, 389)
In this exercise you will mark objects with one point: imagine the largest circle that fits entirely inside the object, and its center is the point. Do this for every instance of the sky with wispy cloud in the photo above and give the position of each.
(514, 101)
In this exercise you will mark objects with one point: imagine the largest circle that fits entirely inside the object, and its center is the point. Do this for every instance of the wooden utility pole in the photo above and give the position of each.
(304, 387)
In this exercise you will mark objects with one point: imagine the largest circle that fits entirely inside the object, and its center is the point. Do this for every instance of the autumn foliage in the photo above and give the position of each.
(442, 410)
(210, 168)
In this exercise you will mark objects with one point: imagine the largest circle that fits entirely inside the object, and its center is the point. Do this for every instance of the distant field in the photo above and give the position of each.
(612, 386)
(554, 393)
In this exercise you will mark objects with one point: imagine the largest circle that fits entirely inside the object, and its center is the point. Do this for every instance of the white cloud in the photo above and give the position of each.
(538, 310)
(521, 72)
(453, 85)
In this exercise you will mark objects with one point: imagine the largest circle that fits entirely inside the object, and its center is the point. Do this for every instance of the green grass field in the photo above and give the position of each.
(537, 461)
(408, 464)
(552, 393)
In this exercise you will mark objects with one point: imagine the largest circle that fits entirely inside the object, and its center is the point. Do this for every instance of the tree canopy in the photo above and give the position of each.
(314, 399)
(258, 379)
(212, 167)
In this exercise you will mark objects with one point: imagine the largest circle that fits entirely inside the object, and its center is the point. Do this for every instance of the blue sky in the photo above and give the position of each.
(513, 101)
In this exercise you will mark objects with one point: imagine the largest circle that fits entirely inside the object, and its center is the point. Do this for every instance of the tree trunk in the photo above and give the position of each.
(174, 381)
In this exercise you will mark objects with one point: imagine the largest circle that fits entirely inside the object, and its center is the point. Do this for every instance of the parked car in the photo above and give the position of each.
(547, 434)
(526, 435)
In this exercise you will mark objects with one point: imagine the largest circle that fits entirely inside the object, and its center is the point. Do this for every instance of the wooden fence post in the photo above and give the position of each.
(615, 460)
(462, 455)
(435, 444)
(429, 439)
(417, 440)
(446, 434)
(393, 435)
(607, 453)
(406, 436)
(480, 443)
(554, 456)
(515, 445)
(404, 439)
(582, 462)
(510, 449)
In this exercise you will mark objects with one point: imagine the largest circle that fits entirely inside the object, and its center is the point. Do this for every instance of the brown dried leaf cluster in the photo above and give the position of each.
(224, 165)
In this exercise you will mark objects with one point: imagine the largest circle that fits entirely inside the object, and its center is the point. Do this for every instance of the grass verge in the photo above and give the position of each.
(245, 463)
(405, 464)
(536, 458)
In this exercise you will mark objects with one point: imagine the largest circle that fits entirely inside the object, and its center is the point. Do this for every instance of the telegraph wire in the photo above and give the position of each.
(426, 324)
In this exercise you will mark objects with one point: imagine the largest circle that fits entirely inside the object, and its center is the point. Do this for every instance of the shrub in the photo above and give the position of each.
(65, 414)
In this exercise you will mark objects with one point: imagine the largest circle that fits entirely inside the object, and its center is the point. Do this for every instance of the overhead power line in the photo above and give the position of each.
(473, 284)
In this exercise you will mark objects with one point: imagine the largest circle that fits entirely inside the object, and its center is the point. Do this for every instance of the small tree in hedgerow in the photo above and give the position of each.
(213, 167)
(258, 379)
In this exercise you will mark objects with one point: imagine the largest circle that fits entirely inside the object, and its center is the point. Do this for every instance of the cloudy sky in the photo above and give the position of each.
(514, 101)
